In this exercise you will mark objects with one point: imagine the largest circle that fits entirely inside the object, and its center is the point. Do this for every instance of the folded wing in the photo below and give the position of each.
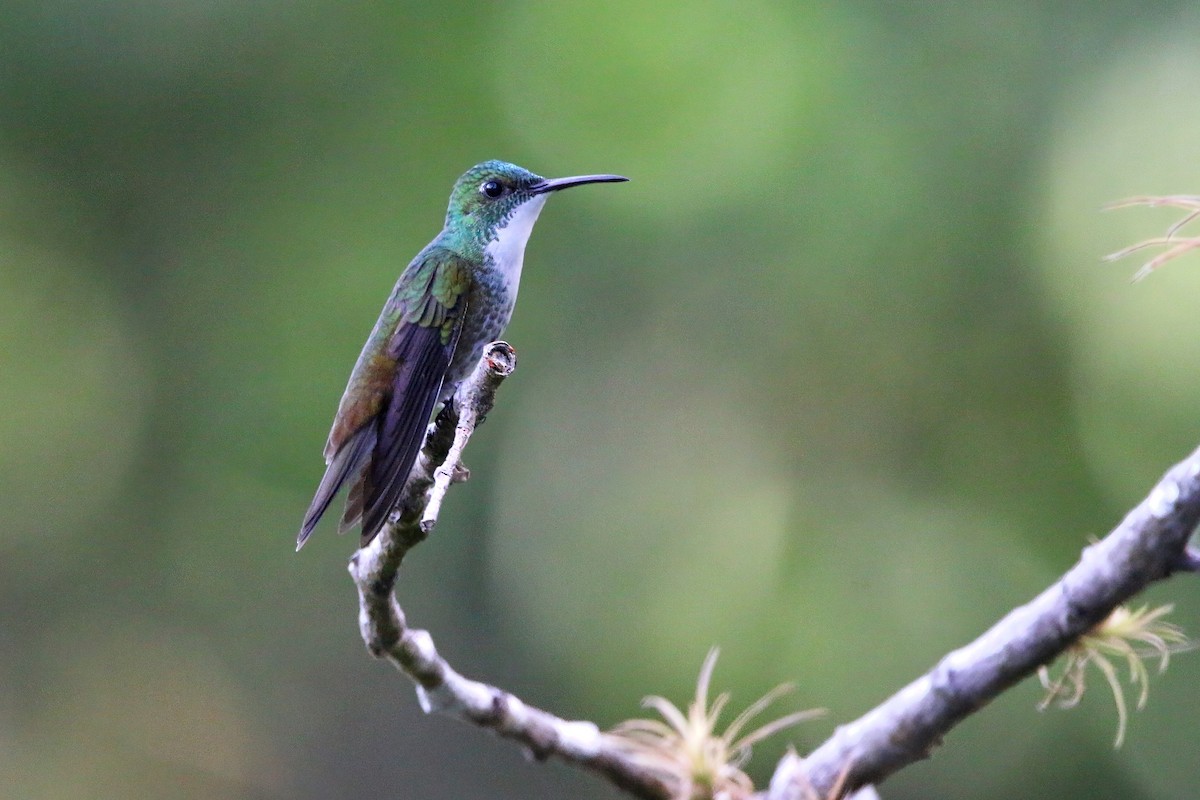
(381, 422)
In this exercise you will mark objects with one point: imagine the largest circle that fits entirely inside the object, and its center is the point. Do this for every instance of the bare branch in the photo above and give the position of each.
(387, 635)
(1148, 545)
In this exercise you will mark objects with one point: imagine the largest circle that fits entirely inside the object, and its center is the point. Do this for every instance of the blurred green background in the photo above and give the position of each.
(836, 380)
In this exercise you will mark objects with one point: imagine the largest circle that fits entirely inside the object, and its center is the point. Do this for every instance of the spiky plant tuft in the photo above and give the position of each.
(1175, 245)
(1129, 635)
(687, 750)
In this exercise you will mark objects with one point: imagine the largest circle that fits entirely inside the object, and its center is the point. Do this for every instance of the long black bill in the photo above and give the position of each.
(554, 184)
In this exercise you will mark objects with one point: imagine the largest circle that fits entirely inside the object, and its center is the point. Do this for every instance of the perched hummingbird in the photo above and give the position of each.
(452, 299)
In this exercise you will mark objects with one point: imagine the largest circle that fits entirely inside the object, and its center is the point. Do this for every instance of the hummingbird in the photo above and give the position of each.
(455, 297)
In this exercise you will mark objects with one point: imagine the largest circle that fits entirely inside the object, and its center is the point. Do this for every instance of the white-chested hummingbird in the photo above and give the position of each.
(454, 298)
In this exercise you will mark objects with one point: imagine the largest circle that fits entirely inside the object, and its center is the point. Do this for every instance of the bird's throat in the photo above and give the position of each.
(506, 252)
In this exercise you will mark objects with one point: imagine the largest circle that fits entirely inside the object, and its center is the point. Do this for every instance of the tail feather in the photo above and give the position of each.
(347, 462)
(354, 503)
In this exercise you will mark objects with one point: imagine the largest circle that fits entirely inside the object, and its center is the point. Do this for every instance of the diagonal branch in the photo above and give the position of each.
(387, 634)
(1149, 544)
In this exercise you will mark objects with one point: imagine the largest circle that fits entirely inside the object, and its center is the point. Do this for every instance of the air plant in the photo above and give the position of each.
(1130, 635)
(687, 750)
(1175, 245)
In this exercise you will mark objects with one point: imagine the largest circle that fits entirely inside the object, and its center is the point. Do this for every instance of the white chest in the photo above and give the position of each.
(507, 250)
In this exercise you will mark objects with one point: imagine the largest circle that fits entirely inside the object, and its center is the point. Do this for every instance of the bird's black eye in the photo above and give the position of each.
(492, 189)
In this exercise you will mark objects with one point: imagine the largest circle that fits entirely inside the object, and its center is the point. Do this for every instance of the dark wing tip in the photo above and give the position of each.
(305, 532)
(368, 536)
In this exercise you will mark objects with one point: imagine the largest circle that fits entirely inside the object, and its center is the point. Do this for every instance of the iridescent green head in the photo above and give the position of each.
(487, 195)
